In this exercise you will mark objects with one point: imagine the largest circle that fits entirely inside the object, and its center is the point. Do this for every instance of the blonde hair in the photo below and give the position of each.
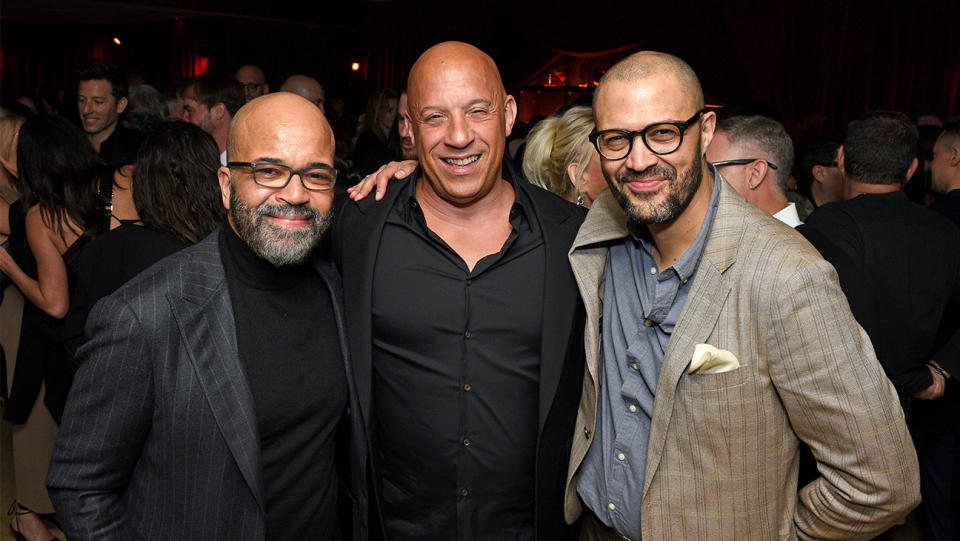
(10, 123)
(553, 145)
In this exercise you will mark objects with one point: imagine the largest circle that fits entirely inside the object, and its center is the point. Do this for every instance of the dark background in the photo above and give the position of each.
(813, 65)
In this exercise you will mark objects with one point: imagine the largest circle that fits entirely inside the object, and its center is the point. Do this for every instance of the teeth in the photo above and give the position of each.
(462, 161)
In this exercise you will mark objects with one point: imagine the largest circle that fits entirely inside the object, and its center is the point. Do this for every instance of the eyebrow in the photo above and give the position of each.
(472, 103)
(278, 161)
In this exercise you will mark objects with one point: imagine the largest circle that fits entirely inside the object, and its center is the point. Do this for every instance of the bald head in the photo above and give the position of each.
(305, 86)
(287, 118)
(461, 116)
(249, 72)
(644, 64)
(453, 55)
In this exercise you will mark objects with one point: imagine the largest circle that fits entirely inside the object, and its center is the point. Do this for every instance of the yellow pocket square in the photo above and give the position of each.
(710, 360)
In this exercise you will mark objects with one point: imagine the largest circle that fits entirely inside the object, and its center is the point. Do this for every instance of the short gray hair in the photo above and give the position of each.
(769, 137)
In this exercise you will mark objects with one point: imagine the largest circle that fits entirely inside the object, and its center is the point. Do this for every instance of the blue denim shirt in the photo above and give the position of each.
(641, 306)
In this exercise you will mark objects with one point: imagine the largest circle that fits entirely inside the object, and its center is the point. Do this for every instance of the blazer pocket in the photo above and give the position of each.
(707, 383)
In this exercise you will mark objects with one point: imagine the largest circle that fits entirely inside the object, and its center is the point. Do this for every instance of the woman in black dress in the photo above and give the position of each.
(59, 210)
(177, 198)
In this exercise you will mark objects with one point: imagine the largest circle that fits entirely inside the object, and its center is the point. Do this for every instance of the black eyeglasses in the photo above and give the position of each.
(661, 138)
(743, 161)
(251, 86)
(275, 175)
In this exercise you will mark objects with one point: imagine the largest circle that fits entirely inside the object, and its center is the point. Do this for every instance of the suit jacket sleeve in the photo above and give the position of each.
(841, 404)
(106, 421)
(948, 356)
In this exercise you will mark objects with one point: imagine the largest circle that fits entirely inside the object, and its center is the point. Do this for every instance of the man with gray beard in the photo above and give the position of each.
(214, 385)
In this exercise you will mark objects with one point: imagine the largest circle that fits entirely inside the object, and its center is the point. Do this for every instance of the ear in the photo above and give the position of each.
(709, 127)
(572, 174)
(509, 112)
(121, 105)
(913, 169)
(223, 175)
(218, 110)
(756, 172)
(266, 88)
(841, 161)
(954, 156)
(819, 172)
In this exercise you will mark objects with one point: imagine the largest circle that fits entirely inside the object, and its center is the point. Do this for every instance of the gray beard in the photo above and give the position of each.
(279, 246)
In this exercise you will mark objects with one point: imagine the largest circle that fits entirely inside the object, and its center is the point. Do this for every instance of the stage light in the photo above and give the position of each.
(355, 66)
(117, 41)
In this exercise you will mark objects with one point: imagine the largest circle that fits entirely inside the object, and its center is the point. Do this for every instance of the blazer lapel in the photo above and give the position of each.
(706, 299)
(205, 317)
(559, 298)
(357, 266)
(605, 223)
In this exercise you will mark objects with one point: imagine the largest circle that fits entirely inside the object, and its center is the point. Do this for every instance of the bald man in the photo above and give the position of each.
(213, 389)
(464, 322)
(717, 340)
(305, 86)
(253, 81)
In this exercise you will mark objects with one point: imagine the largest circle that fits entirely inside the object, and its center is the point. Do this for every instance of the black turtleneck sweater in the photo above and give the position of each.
(287, 340)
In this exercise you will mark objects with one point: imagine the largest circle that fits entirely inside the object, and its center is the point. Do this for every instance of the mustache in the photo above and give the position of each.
(289, 210)
(652, 171)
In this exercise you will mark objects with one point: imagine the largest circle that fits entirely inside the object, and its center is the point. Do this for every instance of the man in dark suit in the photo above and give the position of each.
(899, 266)
(214, 396)
(464, 321)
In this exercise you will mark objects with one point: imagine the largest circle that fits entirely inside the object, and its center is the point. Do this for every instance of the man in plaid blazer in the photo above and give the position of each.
(717, 340)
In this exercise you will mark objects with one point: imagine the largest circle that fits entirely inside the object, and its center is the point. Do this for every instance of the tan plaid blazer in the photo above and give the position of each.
(723, 454)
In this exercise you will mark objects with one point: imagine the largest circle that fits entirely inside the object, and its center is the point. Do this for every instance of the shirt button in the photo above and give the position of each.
(466, 387)
(463, 492)
(466, 442)
(653, 270)
(469, 282)
(633, 409)
(467, 334)
(635, 366)
(648, 322)
(611, 507)
(621, 457)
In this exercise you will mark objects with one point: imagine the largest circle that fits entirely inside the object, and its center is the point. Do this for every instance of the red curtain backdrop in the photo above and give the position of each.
(814, 64)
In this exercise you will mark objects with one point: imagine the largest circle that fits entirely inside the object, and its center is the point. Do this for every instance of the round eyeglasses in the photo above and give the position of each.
(276, 175)
(661, 138)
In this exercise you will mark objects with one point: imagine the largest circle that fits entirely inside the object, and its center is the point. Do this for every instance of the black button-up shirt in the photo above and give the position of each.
(456, 364)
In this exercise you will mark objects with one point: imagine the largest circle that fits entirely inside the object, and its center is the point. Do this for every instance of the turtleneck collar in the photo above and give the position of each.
(254, 271)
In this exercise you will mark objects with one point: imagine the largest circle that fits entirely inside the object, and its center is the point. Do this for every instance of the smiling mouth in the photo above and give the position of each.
(460, 162)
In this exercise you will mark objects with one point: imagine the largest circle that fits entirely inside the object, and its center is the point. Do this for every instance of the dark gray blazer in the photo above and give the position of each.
(159, 438)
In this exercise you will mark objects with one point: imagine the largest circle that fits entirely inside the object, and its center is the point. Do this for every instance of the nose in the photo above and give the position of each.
(459, 134)
(185, 116)
(294, 193)
(87, 107)
(640, 157)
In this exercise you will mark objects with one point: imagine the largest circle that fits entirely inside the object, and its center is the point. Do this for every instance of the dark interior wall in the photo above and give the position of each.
(813, 64)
